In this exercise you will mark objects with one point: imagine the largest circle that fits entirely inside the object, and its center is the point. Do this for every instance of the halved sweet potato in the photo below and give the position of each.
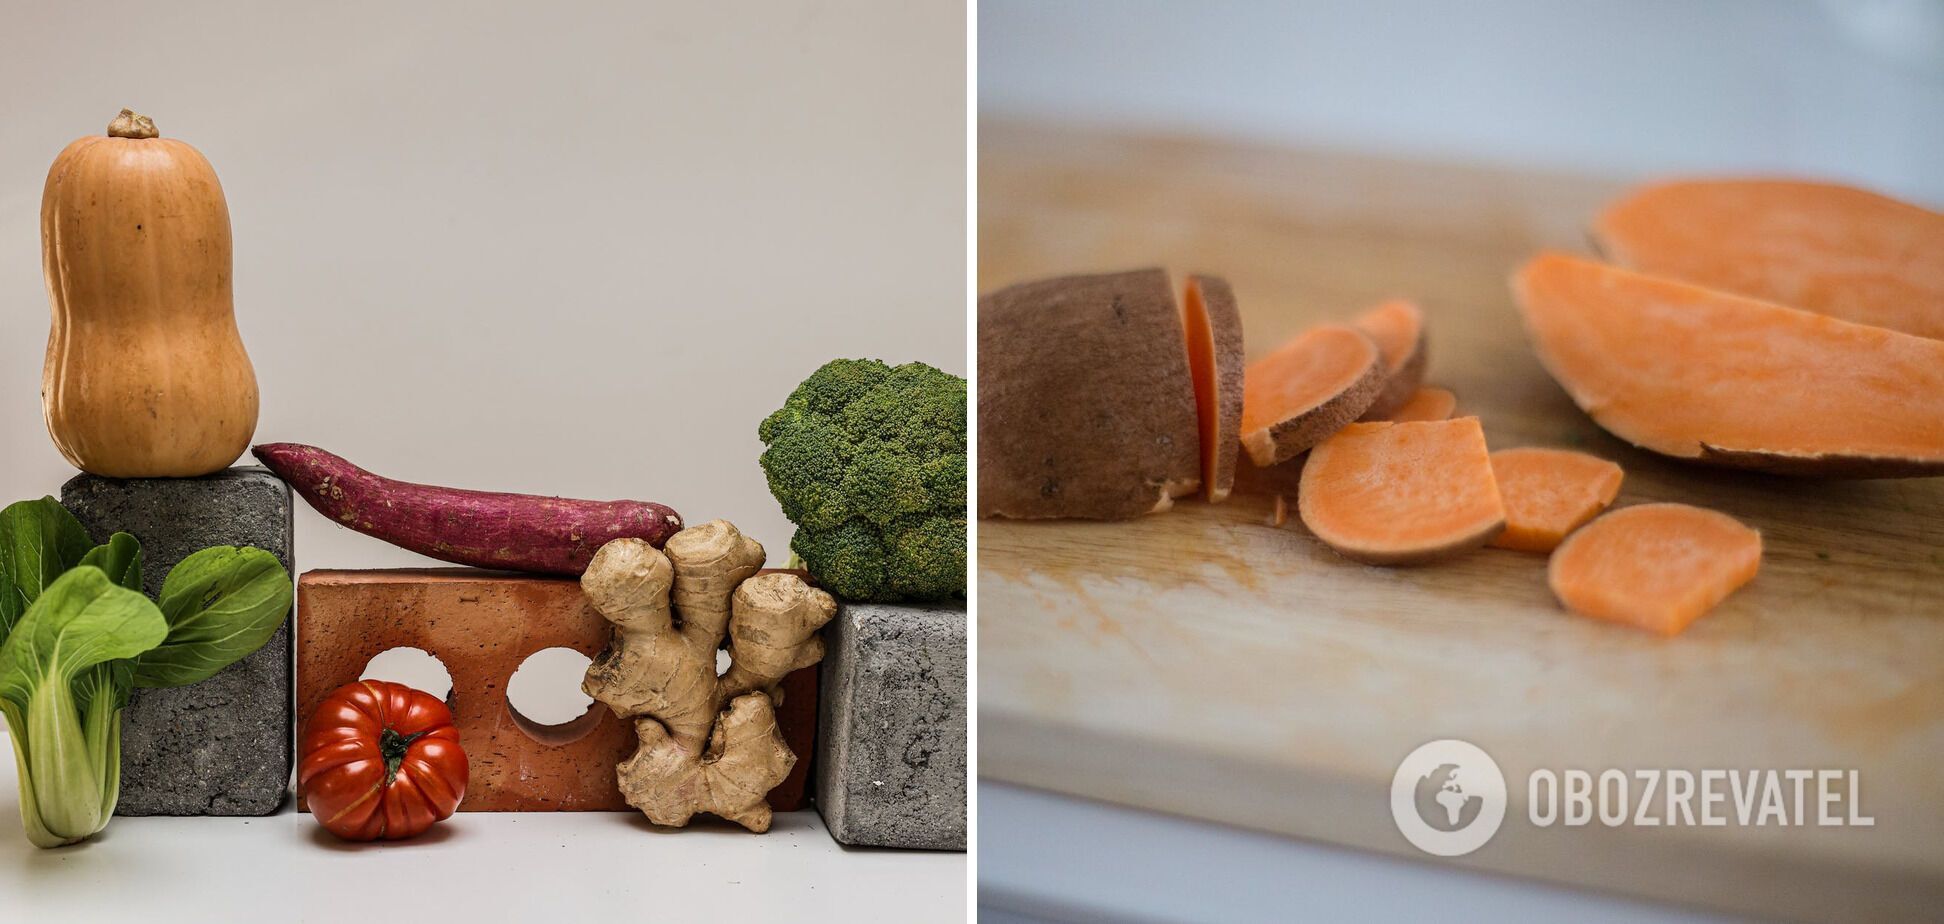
(1548, 493)
(1216, 361)
(1402, 493)
(1398, 328)
(1700, 374)
(1655, 566)
(1086, 406)
(1427, 404)
(1835, 250)
(1324, 378)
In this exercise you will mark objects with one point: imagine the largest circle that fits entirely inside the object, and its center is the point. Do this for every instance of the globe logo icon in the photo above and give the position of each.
(1442, 801)
(1448, 797)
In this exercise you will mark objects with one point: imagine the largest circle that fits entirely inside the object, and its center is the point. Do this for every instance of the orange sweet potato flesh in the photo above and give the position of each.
(1701, 374)
(1656, 566)
(1213, 325)
(1324, 378)
(1402, 493)
(1086, 407)
(1427, 404)
(1398, 328)
(1835, 250)
(1548, 493)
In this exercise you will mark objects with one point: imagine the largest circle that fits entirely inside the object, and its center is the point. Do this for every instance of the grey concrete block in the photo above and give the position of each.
(891, 735)
(222, 746)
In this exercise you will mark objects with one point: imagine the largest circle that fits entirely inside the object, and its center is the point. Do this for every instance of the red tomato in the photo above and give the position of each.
(380, 760)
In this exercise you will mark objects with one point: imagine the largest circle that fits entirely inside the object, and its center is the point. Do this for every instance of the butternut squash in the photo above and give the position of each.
(146, 374)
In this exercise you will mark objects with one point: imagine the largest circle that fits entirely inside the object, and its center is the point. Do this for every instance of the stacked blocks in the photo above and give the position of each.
(891, 768)
(222, 746)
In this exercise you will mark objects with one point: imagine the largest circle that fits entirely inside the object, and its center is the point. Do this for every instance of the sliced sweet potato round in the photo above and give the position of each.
(1548, 493)
(1307, 389)
(1216, 361)
(1282, 478)
(1402, 493)
(1835, 250)
(1398, 328)
(1701, 374)
(1086, 406)
(1427, 404)
(1655, 566)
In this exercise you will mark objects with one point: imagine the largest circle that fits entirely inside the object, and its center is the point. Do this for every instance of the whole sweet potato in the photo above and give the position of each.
(487, 529)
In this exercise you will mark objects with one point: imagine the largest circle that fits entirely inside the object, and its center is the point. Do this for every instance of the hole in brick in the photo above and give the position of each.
(413, 667)
(545, 697)
(546, 687)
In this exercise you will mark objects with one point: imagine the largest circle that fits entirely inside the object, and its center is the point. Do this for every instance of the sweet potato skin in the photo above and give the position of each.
(1086, 403)
(1820, 465)
(485, 529)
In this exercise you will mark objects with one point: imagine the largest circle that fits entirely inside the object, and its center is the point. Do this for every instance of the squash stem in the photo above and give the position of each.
(132, 124)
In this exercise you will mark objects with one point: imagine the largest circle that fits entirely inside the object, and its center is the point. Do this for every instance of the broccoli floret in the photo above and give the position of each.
(868, 460)
(927, 557)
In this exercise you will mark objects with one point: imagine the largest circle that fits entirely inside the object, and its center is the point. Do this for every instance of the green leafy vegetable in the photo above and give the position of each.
(79, 623)
(38, 540)
(120, 558)
(221, 603)
(77, 635)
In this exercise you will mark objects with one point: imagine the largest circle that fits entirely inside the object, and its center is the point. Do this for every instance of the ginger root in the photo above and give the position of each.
(707, 743)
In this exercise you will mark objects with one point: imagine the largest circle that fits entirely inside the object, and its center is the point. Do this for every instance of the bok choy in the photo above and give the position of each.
(77, 636)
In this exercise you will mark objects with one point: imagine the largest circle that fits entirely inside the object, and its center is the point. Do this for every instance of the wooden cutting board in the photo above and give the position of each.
(1204, 663)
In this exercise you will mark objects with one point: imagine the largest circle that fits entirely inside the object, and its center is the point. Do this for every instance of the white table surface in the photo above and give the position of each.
(1047, 857)
(475, 867)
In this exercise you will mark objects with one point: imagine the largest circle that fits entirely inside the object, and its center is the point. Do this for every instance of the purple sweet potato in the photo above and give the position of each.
(486, 529)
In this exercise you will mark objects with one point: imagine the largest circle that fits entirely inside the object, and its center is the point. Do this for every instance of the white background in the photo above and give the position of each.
(574, 249)
(1852, 89)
